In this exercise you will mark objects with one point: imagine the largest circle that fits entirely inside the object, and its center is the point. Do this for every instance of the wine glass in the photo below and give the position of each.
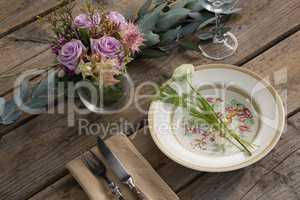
(224, 43)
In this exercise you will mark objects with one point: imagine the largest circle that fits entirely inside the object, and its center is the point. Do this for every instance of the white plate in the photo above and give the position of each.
(252, 104)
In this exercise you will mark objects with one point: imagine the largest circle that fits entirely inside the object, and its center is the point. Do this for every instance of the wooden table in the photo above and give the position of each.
(34, 151)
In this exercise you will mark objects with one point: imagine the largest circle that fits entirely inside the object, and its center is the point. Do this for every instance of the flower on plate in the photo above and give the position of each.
(85, 21)
(70, 54)
(117, 18)
(107, 47)
(132, 37)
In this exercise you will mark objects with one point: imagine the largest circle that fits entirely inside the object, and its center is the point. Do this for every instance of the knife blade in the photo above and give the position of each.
(118, 168)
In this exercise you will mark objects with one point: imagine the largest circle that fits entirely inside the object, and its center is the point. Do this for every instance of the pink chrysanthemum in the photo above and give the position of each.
(132, 37)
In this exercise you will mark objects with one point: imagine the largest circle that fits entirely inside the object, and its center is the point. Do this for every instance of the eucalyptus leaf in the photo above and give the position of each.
(170, 36)
(168, 47)
(195, 15)
(158, 2)
(189, 29)
(151, 39)
(189, 45)
(11, 113)
(147, 22)
(195, 6)
(181, 3)
(206, 36)
(183, 71)
(144, 8)
(207, 22)
(153, 53)
(172, 18)
(201, 16)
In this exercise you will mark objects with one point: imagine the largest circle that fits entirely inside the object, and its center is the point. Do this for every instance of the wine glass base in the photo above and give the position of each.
(220, 49)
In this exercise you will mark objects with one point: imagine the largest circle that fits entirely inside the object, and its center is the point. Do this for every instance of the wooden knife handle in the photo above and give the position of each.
(140, 195)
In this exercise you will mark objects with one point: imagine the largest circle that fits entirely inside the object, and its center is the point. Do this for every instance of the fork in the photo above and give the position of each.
(97, 167)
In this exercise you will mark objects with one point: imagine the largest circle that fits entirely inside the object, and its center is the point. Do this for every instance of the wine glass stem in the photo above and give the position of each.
(219, 37)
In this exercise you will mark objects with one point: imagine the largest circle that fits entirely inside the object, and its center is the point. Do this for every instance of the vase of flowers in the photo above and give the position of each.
(95, 47)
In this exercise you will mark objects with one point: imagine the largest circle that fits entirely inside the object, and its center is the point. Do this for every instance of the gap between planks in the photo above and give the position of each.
(32, 19)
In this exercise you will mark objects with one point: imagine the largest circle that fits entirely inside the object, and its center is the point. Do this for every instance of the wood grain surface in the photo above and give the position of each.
(33, 154)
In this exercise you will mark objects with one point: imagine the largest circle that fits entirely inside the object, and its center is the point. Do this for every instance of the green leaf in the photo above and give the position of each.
(189, 45)
(158, 2)
(183, 71)
(11, 113)
(189, 29)
(201, 16)
(172, 18)
(206, 36)
(170, 36)
(144, 8)
(195, 15)
(151, 39)
(147, 22)
(197, 6)
(181, 3)
(207, 22)
(84, 37)
(153, 53)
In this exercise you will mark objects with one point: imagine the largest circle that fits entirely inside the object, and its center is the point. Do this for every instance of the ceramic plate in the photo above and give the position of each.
(248, 103)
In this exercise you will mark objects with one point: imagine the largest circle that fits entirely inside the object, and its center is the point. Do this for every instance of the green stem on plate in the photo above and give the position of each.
(243, 143)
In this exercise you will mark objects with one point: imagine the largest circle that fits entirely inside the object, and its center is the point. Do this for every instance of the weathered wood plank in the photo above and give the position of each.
(65, 188)
(295, 121)
(60, 148)
(282, 183)
(17, 13)
(280, 65)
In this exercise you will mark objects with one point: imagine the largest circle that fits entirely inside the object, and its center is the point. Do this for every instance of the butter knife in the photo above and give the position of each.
(118, 169)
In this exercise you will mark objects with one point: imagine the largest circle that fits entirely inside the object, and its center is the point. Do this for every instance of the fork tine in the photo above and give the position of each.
(95, 157)
(89, 163)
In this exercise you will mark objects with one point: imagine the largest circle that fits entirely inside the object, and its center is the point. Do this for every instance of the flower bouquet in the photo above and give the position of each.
(95, 46)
